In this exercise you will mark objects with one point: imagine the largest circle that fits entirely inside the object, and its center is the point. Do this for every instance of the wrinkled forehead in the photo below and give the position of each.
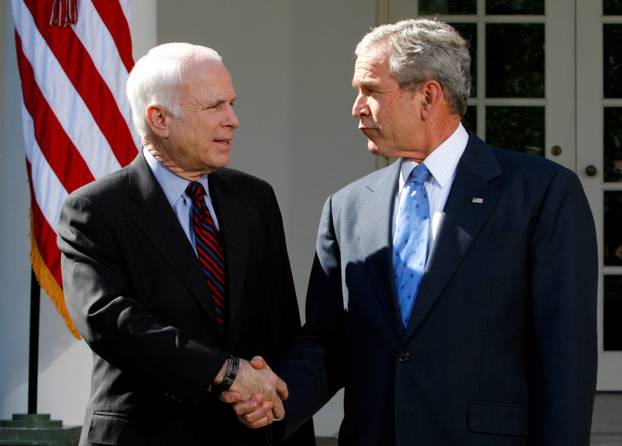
(206, 80)
(371, 64)
(197, 68)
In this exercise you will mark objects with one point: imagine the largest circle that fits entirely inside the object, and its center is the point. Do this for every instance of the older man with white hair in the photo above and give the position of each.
(175, 269)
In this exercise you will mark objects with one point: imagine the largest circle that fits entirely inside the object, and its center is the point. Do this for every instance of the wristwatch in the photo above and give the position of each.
(233, 364)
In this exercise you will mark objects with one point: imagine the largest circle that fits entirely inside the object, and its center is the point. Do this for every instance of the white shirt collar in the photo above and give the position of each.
(442, 161)
(173, 186)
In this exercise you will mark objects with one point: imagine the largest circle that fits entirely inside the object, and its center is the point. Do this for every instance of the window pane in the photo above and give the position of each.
(469, 32)
(447, 7)
(612, 7)
(516, 128)
(534, 7)
(613, 228)
(612, 313)
(613, 144)
(469, 120)
(612, 70)
(515, 60)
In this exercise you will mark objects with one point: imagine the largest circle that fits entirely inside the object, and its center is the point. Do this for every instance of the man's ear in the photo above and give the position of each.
(431, 95)
(157, 119)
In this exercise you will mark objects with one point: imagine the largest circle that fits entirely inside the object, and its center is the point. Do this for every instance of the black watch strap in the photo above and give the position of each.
(233, 365)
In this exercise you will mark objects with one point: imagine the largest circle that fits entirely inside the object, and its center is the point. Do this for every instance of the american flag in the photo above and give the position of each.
(74, 57)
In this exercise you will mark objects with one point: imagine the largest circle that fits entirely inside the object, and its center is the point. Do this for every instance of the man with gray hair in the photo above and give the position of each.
(453, 293)
(175, 269)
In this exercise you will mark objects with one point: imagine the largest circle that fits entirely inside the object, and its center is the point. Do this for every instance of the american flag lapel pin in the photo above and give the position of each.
(477, 200)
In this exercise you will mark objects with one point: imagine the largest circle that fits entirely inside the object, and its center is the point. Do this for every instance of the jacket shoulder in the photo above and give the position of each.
(242, 183)
(112, 186)
(369, 181)
(531, 167)
(240, 178)
(493, 162)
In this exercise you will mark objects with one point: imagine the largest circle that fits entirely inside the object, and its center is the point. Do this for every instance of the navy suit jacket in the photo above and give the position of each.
(501, 346)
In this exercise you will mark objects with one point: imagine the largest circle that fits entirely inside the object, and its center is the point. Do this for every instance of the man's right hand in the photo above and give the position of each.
(256, 394)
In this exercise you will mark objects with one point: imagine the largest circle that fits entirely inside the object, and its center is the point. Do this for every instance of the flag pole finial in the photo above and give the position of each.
(64, 13)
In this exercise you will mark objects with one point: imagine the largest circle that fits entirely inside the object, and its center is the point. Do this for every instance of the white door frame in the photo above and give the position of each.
(590, 149)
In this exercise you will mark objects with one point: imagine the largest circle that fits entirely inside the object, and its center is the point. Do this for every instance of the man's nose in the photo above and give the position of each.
(359, 108)
(232, 119)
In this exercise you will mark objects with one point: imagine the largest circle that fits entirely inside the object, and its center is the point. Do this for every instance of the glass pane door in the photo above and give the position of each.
(522, 95)
(599, 164)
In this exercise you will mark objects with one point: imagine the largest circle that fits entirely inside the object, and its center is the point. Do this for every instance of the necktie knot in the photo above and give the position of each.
(420, 174)
(195, 191)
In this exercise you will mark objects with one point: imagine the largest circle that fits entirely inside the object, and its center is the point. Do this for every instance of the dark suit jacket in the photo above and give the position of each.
(136, 293)
(501, 347)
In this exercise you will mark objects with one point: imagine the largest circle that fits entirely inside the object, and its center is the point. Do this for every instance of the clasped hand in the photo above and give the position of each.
(257, 394)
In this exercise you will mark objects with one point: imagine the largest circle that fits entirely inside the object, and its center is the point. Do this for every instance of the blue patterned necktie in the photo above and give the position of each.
(209, 250)
(410, 240)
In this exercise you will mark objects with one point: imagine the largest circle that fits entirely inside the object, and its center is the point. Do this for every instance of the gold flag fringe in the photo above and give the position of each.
(49, 285)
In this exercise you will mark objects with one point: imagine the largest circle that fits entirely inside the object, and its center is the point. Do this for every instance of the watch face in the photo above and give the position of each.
(227, 381)
(231, 372)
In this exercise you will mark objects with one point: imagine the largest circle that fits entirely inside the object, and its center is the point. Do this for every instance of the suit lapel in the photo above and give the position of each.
(157, 221)
(233, 221)
(470, 202)
(378, 208)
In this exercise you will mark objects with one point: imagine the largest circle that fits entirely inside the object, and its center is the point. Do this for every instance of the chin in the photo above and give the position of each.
(218, 163)
(375, 150)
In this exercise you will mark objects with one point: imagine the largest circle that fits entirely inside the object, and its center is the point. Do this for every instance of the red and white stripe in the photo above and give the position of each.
(76, 117)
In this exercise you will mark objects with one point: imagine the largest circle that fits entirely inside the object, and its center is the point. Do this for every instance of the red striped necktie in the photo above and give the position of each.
(209, 250)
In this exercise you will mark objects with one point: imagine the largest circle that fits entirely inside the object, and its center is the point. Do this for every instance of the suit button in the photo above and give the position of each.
(404, 357)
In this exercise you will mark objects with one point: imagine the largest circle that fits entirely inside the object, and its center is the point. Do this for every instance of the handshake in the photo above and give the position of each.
(256, 393)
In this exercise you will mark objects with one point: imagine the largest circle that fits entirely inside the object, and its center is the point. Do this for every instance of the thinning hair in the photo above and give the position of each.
(420, 50)
(156, 77)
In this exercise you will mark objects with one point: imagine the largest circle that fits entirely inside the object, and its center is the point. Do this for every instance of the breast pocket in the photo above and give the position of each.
(498, 418)
(500, 240)
(113, 428)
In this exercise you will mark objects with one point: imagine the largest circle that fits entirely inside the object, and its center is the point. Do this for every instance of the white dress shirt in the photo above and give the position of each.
(174, 188)
(441, 163)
